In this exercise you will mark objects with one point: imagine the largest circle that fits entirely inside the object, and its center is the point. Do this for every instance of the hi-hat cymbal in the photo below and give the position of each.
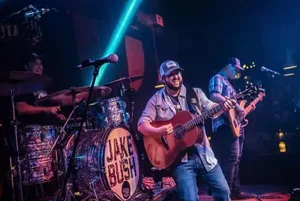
(65, 97)
(122, 79)
(24, 82)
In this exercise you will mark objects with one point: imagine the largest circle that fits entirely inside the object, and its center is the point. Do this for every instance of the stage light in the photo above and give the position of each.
(289, 74)
(209, 138)
(159, 86)
(280, 135)
(282, 147)
(244, 66)
(289, 67)
(237, 76)
(125, 19)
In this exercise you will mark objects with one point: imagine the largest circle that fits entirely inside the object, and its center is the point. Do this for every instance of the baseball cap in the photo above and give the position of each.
(168, 66)
(233, 62)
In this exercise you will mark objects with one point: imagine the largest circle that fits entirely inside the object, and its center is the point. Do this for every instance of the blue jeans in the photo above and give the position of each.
(186, 174)
(228, 151)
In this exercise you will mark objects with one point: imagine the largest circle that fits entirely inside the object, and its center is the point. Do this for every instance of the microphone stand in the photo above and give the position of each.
(71, 167)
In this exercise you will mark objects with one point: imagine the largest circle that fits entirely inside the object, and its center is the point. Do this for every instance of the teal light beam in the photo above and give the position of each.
(125, 19)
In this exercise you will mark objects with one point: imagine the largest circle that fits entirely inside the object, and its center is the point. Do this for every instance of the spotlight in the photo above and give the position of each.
(282, 147)
(237, 76)
(280, 135)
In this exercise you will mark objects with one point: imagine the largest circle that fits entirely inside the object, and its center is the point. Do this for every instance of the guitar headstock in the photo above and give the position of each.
(261, 94)
(251, 91)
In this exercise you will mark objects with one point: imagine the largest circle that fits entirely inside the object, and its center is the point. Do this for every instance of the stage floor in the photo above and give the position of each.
(263, 192)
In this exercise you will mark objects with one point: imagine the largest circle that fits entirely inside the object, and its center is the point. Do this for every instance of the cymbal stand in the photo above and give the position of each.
(62, 131)
(15, 125)
(71, 167)
(123, 89)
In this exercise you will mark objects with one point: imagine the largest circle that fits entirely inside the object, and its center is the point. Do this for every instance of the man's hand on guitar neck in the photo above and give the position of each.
(229, 103)
(218, 98)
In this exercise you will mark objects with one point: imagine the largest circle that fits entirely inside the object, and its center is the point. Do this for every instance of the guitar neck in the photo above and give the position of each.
(212, 112)
(205, 115)
(249, 107)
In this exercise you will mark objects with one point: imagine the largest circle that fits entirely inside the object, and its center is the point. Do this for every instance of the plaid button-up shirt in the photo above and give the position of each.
(219, 83)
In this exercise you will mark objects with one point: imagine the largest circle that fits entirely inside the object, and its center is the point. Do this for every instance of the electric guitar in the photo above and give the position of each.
(162, 151)
(237, 122)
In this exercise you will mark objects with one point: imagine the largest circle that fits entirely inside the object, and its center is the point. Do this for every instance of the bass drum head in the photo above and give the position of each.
(121, 161)
(107, 161)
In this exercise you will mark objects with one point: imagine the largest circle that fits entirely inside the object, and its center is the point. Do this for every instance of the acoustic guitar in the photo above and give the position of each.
(162, 151)
(237, 122)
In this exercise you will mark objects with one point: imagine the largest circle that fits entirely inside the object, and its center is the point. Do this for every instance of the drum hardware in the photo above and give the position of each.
(92, 186)
(74, 95)
(103, 157)
(71, 169)
(132, 111)
(113, 112)
(38, 166)
(12, 84)
(62, 132)
(122, 80)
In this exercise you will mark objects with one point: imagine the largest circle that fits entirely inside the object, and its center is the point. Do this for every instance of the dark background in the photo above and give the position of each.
(200, 35)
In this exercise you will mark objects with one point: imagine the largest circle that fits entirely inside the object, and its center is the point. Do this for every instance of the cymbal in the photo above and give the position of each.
(24, 82)
(129, 79)
(65, 97)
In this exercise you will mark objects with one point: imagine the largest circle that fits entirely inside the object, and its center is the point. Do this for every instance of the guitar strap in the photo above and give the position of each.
(193, 101)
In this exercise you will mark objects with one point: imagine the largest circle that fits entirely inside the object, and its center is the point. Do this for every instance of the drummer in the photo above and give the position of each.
(28, 112)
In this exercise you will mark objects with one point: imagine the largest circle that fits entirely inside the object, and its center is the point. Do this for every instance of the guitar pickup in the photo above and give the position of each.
(165, 142)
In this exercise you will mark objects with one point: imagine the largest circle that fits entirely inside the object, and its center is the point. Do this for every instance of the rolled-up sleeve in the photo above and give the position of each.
(215, 84)
(149, 113)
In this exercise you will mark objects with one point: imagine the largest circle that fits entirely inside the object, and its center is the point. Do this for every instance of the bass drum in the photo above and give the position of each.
(106, 161)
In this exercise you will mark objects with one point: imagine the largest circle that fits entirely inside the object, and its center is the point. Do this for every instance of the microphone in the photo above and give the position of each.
(113, 58)
(36, 13)
(268, 70)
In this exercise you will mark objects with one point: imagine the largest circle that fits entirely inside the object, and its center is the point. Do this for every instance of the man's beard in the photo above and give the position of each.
(172, 87)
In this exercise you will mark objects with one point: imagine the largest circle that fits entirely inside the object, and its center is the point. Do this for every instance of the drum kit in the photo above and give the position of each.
(107, 158)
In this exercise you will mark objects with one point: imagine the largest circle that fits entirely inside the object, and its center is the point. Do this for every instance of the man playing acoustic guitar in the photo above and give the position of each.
(197, 160)
(227, 147)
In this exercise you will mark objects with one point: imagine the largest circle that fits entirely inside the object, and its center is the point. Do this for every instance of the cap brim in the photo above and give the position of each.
(239, 67)
(169, 72)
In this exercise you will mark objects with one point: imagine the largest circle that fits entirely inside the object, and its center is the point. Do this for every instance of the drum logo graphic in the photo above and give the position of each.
(122, 163)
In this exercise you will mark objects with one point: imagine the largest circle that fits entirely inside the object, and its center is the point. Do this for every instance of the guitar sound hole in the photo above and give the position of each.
(179, 132)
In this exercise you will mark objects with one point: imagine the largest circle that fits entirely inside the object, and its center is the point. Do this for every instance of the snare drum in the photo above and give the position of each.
(106, 161)
(36, 142)
(114, 112)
